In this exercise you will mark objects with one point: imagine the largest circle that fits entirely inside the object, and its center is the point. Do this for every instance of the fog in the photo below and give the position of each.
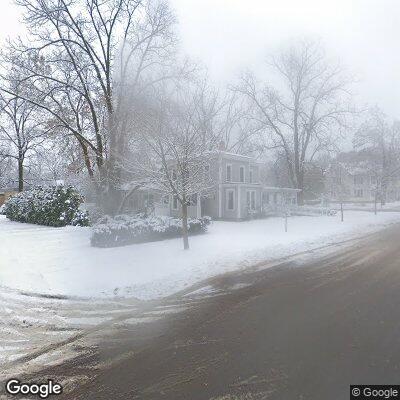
(231, 35)
(183, 216)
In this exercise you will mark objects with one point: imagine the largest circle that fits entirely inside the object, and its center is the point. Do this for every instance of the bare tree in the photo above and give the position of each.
(59, 159)
(79, 56)
(235, 127)
(20, 132)
(303, 114)
(6, 169)
(176, 146)
(381, 140)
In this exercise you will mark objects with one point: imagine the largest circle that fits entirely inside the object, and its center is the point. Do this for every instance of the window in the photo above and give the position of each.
(358, 193)
(290, 200)
(133, 203)
(175, 203)
(229, 173)
(230, 199)
(241, 174)
(149, 199)
(251, 176)
(251, 200)
(165, 200)
(358, 180)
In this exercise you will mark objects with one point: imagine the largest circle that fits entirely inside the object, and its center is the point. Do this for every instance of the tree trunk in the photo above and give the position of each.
(184, 225)
(376, 201)
(341, 211)
(300, 185)
(110, 196)
(300, 198)
(109, 193)
(20, 175)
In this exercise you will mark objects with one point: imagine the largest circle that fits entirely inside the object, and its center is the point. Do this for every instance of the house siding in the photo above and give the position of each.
(356, 186)
(235, 170)
(226, 213)
(214, 202)
(210, 204)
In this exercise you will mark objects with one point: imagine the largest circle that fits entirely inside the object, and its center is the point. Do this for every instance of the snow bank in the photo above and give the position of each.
(60, 261)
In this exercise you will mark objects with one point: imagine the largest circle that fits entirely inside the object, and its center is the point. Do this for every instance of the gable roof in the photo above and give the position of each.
(234, 156)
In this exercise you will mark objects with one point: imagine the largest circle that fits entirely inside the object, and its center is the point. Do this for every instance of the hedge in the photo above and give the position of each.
(51, 206)
(123, 230)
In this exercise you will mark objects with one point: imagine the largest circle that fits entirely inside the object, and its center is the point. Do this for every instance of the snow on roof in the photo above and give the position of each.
(355, 168)
(227, 153)
(277, 188)
(235, 155)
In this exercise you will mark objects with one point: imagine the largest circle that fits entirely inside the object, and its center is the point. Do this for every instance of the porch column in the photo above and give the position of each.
(238, 203)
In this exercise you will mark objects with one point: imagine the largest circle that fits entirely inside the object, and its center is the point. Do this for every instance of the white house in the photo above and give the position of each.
(237, 193)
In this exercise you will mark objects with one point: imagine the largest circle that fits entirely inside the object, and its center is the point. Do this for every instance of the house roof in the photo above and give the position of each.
(263, 187)
(227, 154)
(279, 189)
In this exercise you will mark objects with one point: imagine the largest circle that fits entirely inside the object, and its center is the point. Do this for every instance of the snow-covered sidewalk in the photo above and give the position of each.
(60, 261)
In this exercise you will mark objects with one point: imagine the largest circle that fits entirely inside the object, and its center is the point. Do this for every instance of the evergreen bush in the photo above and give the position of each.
(51, 206)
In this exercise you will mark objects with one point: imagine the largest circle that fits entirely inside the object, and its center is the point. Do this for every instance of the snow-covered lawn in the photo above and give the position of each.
(60, 261)
(370, 206)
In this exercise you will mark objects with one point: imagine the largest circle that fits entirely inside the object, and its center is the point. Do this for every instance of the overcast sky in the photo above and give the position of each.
(230, 35)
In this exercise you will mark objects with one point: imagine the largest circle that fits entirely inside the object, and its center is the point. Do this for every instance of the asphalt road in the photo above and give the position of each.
(301, 330)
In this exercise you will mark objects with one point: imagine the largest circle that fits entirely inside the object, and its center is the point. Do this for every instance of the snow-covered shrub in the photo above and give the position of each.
(81, 218)
(52, 206)
(122, 230)
(2, 209)
(313, 210)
